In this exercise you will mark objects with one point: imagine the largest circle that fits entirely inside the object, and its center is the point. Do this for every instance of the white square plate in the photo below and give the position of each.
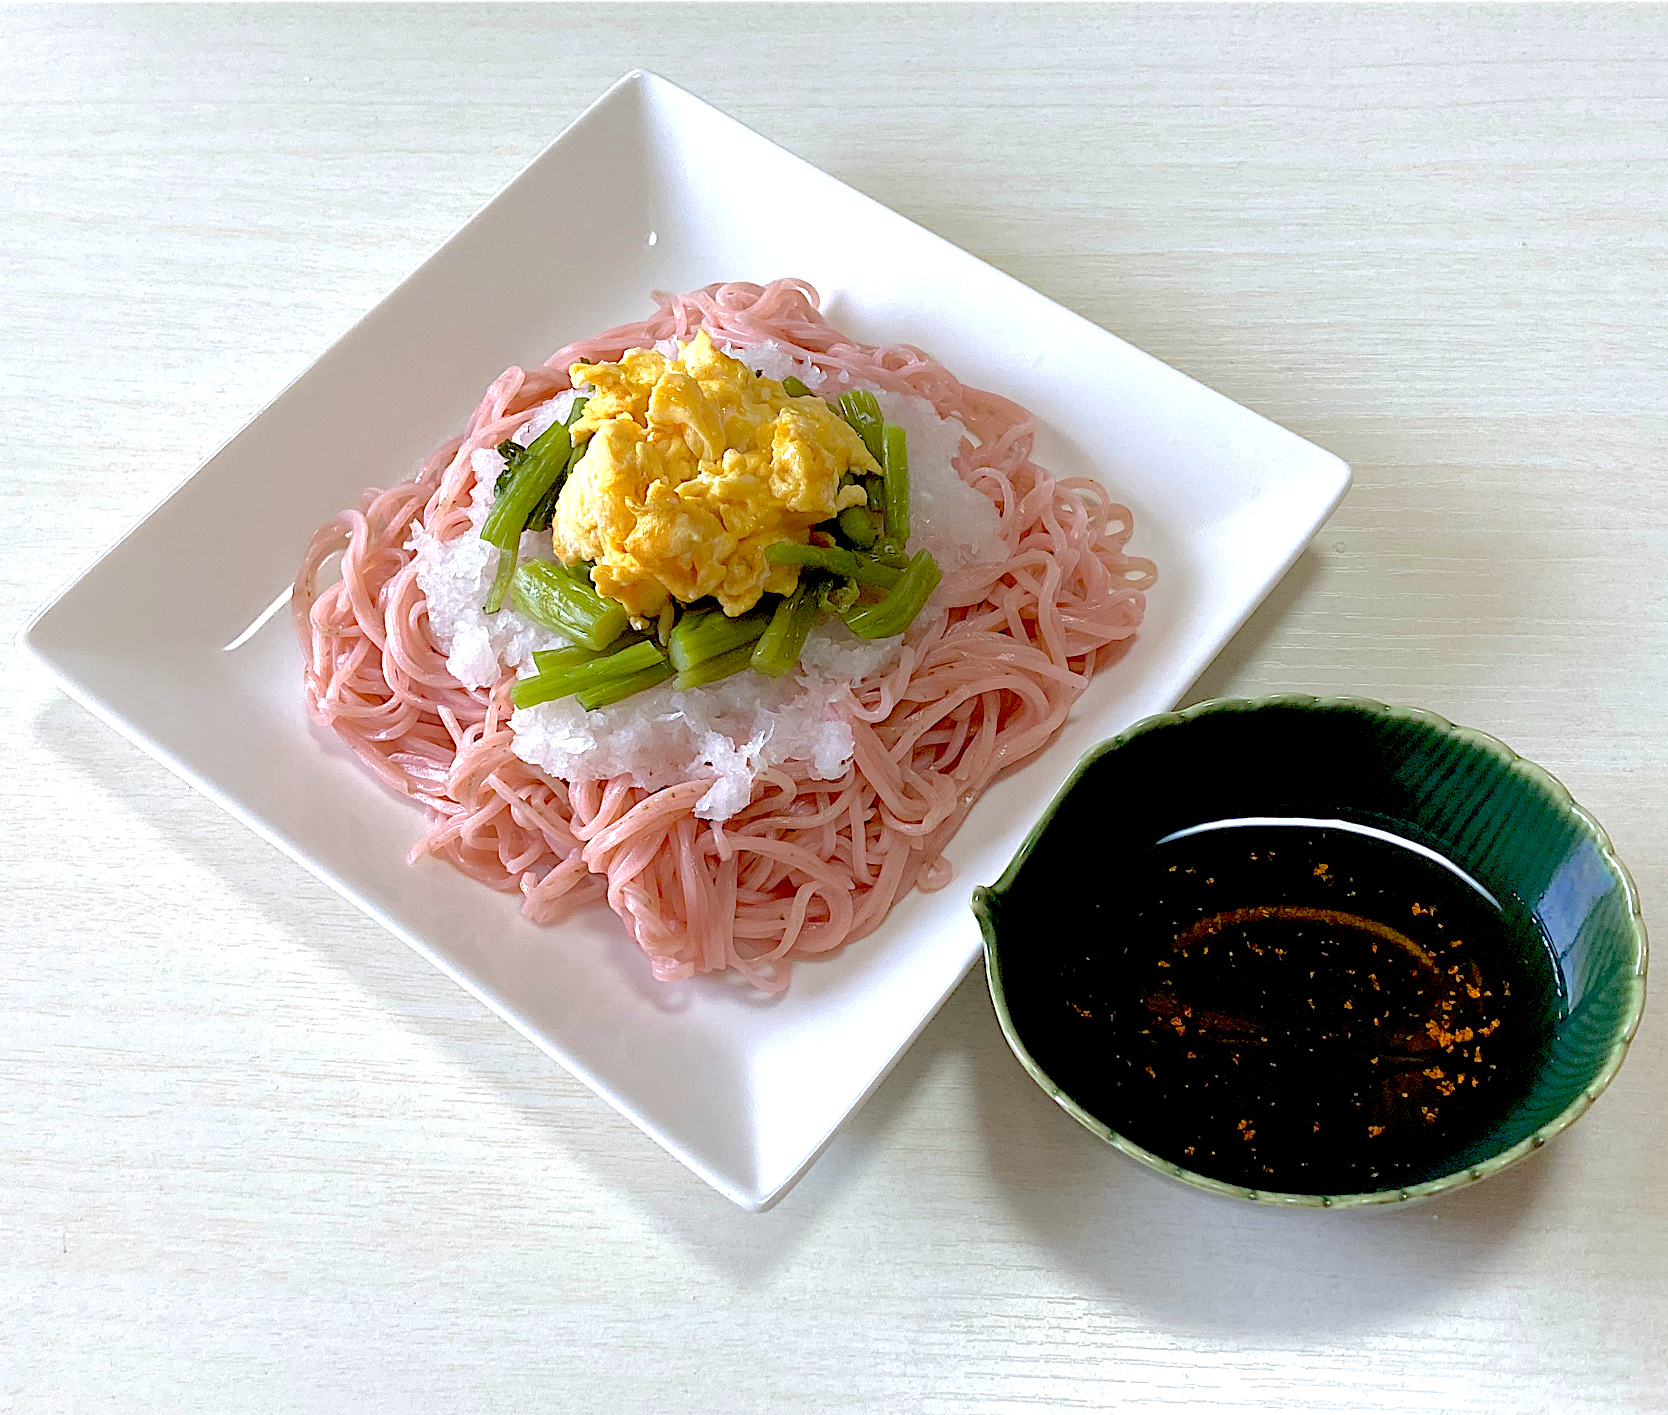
(174, 639)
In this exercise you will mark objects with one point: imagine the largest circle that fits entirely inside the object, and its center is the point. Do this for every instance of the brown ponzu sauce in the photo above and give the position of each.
(1293, 1007)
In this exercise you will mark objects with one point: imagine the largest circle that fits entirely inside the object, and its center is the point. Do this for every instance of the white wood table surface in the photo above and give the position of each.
(257, 1155)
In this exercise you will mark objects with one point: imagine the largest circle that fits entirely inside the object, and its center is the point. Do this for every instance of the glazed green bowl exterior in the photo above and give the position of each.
(1504, 821)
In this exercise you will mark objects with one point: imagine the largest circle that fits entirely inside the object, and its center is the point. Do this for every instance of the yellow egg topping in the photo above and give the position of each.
(695, 467)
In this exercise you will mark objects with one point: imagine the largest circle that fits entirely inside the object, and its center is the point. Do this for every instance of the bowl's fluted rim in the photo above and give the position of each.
(1493, 746)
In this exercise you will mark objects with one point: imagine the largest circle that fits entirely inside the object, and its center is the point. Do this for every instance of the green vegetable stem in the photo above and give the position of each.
(865, 569)
(895, 470)
(778, 648)
(615, 690)
(710, 634)
(551, 596)
(862, 411)
(549, 660)
(545, 512)
(897, 611)
(557, 679)
(858, 526)
(710, 670)
(533, 474)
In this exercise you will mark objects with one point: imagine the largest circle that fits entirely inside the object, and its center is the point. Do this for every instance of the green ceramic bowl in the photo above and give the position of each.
(1503, 820)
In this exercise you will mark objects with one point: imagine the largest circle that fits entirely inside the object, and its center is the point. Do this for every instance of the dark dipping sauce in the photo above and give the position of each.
(1291, 1006)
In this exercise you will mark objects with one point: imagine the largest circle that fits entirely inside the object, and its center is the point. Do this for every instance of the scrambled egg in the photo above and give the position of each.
(694, 467)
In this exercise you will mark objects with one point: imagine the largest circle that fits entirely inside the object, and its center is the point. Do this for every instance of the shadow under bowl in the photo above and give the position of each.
(1502, 821)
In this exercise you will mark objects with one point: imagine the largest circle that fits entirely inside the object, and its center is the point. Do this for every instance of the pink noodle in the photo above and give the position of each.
(807, 865)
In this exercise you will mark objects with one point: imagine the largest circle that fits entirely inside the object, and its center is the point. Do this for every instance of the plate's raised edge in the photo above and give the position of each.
(633, 77)
(780, 1191)
(29, 645)
(1087, 325)
(1180, 680)
(746, 1198)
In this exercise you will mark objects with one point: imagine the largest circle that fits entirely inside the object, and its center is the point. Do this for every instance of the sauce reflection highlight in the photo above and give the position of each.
(1291, 1005)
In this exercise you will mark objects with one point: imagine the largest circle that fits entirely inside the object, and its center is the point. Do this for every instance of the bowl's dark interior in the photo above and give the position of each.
(1566, 910)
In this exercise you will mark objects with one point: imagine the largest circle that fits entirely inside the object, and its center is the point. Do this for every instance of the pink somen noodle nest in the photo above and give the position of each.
(986, 677)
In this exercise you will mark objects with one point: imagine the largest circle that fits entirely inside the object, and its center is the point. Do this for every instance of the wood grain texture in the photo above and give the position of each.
(256, 1155)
